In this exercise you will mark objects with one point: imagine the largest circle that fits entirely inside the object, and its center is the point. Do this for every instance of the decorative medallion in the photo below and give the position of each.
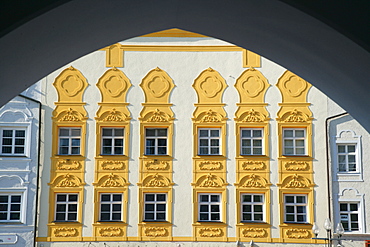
(210, 165)
(253, 165)
(295, 85)
(112, 165)
(156, 165)
(210, 232)
(296, 166)
(110, 232)
(68, 165)
(296, 233)
(155, 232)
(253, 232)
(65, 232)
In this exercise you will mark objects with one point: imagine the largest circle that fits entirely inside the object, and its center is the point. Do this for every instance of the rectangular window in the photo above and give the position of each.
(209, 142)
(13, 141)
(349, 216)
(156, 141)
(252, 207)
(347, 157)
(112, 141)
(69, 141)
(295, 208)
(110, 207)
(209, 206)
(294, 141)
(66, 207)
(251, 141)
(10, 207)
(155, 207)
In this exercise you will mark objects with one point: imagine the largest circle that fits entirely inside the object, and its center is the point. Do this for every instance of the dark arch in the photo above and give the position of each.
(308, 47)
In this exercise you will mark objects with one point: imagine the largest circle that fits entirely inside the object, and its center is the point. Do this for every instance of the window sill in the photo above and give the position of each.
(110, 221)
(13, 156)
(65, 222)
(11, 223)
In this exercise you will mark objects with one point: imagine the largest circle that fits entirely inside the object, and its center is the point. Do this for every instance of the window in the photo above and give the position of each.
(251, 141)
(294, 141)
(110, 207)
(66, 207)
(346, 157)
(209, 207)
(69, 141)
(349, 216)
(155, 141)
(112, 141)
(295, 208)
(13, 141)
(155, 207)
(10, 207)
(252, 207)
(209, 142)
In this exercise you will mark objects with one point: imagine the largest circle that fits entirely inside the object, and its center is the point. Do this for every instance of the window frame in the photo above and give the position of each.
(294, 139)
(252, 138)
(21, 207)
(111, 202)
(263, 204)
(69, 137)
(355, 153)
(209, 138)
(13, 145)
(209, 203)
(295, 205)
(359, 214)
(67, 211)
(155, 202)
(156, 138)
(113, 138)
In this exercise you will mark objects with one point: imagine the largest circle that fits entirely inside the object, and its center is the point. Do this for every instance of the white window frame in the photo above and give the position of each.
(155, 211)
(295, 139)
(156, 139)
(26, 140)
(346, 154)
(70, 138)
(252, 138)
(210, 204)
(111, 202)
(22, 204)
(252, 204)
(296, 205)
(113, 138)
(209, 138)
(358, 212)
(67, 203)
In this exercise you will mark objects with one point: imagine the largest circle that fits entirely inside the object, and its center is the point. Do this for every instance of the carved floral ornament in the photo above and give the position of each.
(157, 165)
(253, 165)
(114, 116)
(253, 116)
(68, 165)
(65, 232)
(296, 181)
(296, 166)
(112, 180)
(110, 232)
(155, 232)
(295, 116)
(252, 232)
(67, 180)
(253, 181)
(157, 116)
(296, 233)
(210, 165)
(210, 180)
(210, 232)
(156, 180)
(70, 115)
(112, 165)
(210, 116)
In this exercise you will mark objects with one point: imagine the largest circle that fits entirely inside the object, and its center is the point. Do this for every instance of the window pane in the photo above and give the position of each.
(288, 143)
(257, 151)
(247, 198)
(215, 150)
(162, 132)
(161, 216)
(72, 216)
(162, 142)
(301, 218)
(246, 142)
(116, 216)
(61, 208)
(246, 133)
(299, 143)
(203, 151)
(289, 217)
(3, 216)
(61, 198)
(257, 143)
(215, 142)
(215, 216)
(257, 208)
(215, 208)
(203, 216)
(107, 132)
(215, 198)
(72, 198)
(118, 132)
(301, 199)
(204, 198)
(247, 216)
(215, 133)
(118, 142)
(343, 207)
(162, 150)
(72, 207)
(288, 133)
(257, 133)
(150, 132)
(203, 133)
(76, 142)
(299, 133)
(3, 207)
(161, 207)
(149, 216)
(19, 141)
(116, 207)
(353, 207)
(107, 142)
(300, 151)
(16, 199)
(149, 197)
(75, 132)
(15, 207)
(149, 207)
(105, 216)
(246, 151)
(161, 197)
(203, 142)
(118, 150)
(247, 208)
(60, 216)
(341, 149)
(117, 197)
(75, 150)
(203, 208)
(258, 217)
(289, 209)
(63, 132)
(351, 148)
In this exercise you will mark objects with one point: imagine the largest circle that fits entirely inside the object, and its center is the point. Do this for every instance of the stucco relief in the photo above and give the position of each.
(253, 165)
(65, 232)
(295, 116)
(68, 165)
(67, 180)
(156, 180)
(112, 165)
(210, 180)
(295, 233)
(157, 116)
(209, 86)
(253, 181)
(114, 115)
(210, 232)
(296, 181)
(70, 84)
(11, 181)
(111, 180)
(111, 232)
(296, 166)
(157, 165)
(70, 115)
(210, 165)
(155, 232)
(252, 232)
(157, 84)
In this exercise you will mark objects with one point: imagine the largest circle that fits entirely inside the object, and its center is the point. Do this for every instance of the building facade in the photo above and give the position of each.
(177, 138)
(19, 142)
